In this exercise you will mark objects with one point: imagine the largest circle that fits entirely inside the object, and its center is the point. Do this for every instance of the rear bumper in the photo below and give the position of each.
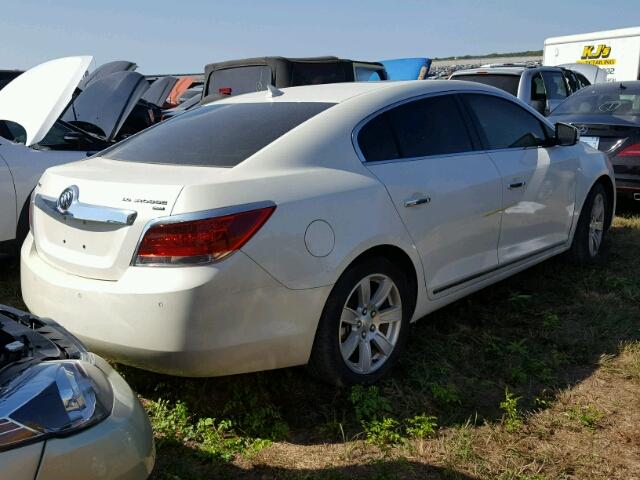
(221, 319)
(118, 448)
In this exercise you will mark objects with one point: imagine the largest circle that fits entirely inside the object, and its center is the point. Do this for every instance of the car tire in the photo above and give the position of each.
(591, 230)
(374, 331)
(22, 228)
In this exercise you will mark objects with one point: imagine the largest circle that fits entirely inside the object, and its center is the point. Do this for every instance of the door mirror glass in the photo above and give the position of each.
(566, 135)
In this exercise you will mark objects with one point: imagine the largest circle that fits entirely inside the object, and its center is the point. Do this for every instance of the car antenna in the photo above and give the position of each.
(273, 91)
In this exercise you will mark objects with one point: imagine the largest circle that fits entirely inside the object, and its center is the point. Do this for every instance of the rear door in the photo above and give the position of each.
(7, 201)
(538, 180)
(447, 194)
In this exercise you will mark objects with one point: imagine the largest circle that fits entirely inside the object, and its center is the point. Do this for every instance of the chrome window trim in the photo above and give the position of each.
(85, 212)
(365, 120)
(191, 216)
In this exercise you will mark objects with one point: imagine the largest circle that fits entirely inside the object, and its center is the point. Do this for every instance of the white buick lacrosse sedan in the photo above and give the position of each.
(306, 226)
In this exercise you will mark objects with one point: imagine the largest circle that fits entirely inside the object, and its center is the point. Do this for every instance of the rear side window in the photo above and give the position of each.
(508, 83)
(430, 126)
(555, 85)
(239, 80)
(505, 124)
(218, 135)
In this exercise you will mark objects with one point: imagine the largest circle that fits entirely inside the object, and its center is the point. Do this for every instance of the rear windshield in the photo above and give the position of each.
(239, 80)
(608, 100)
(508, 83)
(217, 135)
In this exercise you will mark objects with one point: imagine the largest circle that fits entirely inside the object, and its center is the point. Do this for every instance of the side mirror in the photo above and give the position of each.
(566, 135)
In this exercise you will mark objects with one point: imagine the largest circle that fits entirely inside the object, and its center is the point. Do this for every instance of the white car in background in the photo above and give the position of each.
(307, 226)
(38, 129)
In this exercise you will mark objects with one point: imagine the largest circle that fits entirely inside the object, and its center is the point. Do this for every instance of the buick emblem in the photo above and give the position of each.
(66, 198)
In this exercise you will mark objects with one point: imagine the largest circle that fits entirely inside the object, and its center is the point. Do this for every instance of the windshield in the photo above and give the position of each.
(217, 135)
(508, 83)
(606, 100)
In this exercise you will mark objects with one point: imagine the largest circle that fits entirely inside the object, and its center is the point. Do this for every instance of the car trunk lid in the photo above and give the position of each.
(117, 200)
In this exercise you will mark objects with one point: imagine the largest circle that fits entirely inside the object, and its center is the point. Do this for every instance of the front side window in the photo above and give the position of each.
(538, 92)
(555, 85)
(505, 124)
(425, 127)
(217, 135)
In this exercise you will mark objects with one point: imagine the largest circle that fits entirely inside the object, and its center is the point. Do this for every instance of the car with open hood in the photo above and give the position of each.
(64, 412)
(307, 225)
(46, 120)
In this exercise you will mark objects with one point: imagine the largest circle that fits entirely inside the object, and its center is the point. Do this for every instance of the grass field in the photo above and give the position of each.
(537, 377)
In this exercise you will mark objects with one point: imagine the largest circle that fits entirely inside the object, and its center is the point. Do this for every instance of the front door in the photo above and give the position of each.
(447, 194)
(538, 178)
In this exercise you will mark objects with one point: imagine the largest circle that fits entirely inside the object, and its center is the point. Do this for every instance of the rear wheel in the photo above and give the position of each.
(592, 226)
(364, 324)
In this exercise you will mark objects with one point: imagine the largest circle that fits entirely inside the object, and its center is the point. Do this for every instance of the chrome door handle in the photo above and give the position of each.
(421, 200)
(515, 185)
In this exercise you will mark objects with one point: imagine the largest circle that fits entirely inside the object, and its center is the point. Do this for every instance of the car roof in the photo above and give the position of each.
(503, 70)
(341, 92)
(490, 70)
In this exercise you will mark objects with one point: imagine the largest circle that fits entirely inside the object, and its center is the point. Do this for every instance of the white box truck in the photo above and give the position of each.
(615, 51)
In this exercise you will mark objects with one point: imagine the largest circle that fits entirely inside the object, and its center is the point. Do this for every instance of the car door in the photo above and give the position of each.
(7, 201)
(447, 194)
(538, 177)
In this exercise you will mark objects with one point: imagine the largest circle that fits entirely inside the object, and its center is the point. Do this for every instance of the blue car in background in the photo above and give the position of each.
(407, 68)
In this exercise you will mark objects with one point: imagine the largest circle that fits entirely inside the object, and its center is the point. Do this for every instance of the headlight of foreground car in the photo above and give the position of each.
(53, 399)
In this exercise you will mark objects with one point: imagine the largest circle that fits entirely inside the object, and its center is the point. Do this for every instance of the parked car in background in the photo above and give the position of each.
(407, 68)
(64, 412)
(38, 129)
(591, 73)
(307, 225)
(608, 118)
(7, 75)
(236, 77)
(544, 88)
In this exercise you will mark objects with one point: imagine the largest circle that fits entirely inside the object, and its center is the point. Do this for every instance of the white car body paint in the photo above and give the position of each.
(259, 308)
(38, 97)
(34, 100)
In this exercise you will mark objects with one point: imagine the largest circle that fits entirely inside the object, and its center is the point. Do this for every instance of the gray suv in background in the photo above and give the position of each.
(544, 88)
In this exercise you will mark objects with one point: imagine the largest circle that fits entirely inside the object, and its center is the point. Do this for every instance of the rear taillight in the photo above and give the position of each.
(195, 242)
(225, 90)
(630, 151)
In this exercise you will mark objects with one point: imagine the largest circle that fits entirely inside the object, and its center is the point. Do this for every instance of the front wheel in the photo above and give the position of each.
(364, 324)
(592, 226)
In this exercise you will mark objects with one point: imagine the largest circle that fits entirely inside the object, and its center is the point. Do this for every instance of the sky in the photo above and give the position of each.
(182, 36)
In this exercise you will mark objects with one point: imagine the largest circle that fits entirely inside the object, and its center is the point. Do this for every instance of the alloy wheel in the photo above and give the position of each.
(370, 323)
